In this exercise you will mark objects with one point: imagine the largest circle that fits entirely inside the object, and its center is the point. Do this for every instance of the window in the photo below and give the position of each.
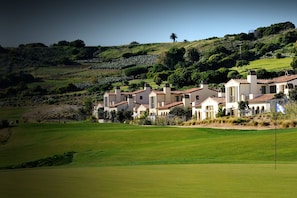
(263, 90)
(140, 97)
(105, 101)
(152, 102)
(176, 98)
(197, 97)
(289, 86)
(272, 89)
(232, 94)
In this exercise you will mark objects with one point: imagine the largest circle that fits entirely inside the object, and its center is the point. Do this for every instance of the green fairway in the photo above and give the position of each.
(120, 144)
(202, 180)
(120, 160)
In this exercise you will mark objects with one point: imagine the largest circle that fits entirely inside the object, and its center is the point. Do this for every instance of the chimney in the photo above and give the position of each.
(252, 79)
(147, 87)
(130, 102)
(203, 85)
(186, 100)
(167, 92)
(118, 94)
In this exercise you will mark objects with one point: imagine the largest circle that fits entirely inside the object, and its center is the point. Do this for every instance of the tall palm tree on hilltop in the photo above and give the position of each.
(173, 37)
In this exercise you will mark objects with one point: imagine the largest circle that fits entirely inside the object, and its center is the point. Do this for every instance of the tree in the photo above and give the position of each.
(120, 116)
(88, 106)
(181, 77)
(243, 106)
(172, 57)
(77, 43)
(62, 43)
(181, 112)
(193, 55)
(293, 94)
(158, 80)
(173, 37)
(294, 63)
(233, 74)
(134, 71)
(221, 111)
(178, 111)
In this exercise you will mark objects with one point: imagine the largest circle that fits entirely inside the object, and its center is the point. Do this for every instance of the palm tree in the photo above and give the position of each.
(173, 37)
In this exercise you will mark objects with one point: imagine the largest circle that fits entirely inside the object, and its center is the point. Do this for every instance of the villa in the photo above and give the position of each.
(205, 103)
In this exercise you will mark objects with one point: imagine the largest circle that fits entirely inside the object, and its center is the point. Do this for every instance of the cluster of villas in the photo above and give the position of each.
(204, 102)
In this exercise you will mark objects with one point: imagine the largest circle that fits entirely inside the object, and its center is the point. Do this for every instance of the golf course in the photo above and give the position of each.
(121, 160)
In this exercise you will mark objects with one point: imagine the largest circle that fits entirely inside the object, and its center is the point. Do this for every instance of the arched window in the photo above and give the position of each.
(258, 110)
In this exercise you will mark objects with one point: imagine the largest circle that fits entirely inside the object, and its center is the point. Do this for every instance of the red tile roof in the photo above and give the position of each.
(262, 98)
(118, 104)
(286, 78)
(138, 91)
(242, 81)
(219, 100)
(170, 105)
(280, 79)
(192, 90)
(159, 92)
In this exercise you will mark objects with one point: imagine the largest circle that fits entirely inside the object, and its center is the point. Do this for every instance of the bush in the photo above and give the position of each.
(286, 124)
(239, 121)
(134, 71)
(56, 160)
(4, 124)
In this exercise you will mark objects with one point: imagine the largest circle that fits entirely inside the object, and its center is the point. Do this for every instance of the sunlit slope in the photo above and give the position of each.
(119, 144)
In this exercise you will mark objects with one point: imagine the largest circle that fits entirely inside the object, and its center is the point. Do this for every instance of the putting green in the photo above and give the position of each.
(190, 180)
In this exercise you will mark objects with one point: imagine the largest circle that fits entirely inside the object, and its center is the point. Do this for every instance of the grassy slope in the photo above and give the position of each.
(211, 180)
(270, 64)
(117, 144)
(158, 48)
(247, 168)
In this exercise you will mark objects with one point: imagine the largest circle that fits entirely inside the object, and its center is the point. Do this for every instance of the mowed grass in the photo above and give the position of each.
(119, 160)
(122, 144)
(270, 64)
(191, 180)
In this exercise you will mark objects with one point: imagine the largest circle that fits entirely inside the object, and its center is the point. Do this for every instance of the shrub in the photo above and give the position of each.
(239, 121)
(286, 124)
(4, 124)
(56, 160)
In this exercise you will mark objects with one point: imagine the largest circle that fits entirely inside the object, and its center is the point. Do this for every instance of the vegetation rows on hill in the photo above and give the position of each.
(70, 70)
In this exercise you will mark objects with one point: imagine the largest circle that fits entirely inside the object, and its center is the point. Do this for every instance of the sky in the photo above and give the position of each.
(120, 22)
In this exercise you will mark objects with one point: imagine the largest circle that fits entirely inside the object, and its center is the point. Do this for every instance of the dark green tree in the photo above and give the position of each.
(172, 57)
(88, 106)
(192, 55)
(158, 80)
(243, 106)
(294, 63)
(77, 43)
(221, 111)
(177, 111)
(181, 77)
(120, 116)
(134, 71)
(233, 74)
(173, 36)
(293, 94)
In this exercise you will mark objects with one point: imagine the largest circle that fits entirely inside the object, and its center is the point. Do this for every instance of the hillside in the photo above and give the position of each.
(70, 73)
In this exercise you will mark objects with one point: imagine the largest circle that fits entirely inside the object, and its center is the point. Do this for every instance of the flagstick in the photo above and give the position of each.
(275, 123)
